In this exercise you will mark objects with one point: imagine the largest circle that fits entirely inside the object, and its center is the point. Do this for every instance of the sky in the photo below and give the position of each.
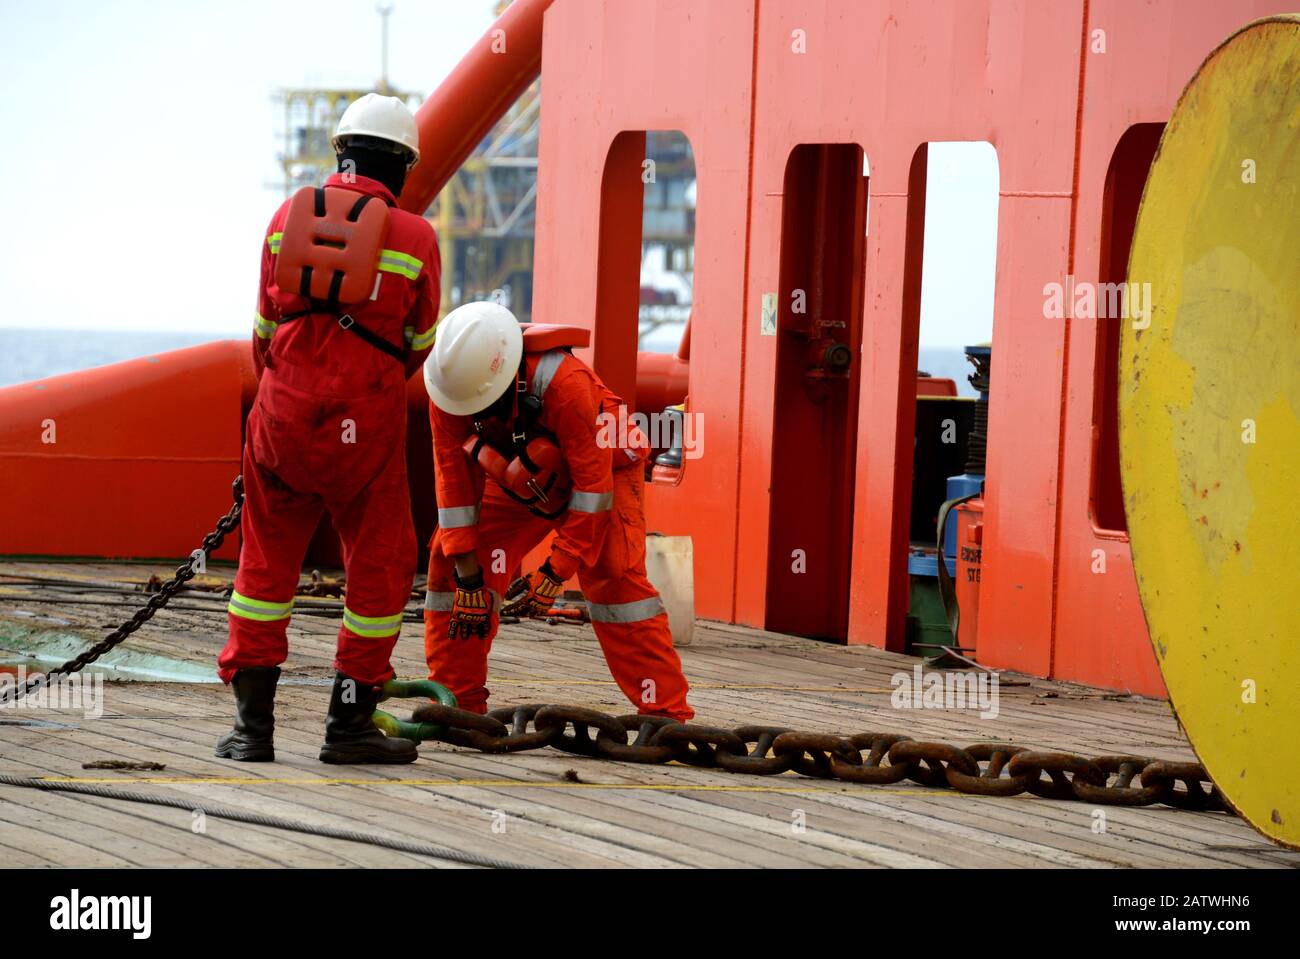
(141, 144)
(960, 253)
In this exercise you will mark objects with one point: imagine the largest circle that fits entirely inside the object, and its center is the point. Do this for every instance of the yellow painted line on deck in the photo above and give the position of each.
(784, 689)
(505, 783)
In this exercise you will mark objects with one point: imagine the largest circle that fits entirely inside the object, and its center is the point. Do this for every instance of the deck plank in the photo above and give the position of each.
(615, 814)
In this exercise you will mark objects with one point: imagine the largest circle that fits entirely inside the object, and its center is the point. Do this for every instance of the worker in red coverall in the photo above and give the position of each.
(327, 434)
(474, 374)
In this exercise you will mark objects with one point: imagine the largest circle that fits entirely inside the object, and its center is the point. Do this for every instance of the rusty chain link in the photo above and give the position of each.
(160, 594)
(876, 758)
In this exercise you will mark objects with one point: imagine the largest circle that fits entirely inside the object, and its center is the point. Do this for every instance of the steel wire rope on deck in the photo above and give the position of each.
(320, 610)
(184, 573)
(271, 822)
(158, 599)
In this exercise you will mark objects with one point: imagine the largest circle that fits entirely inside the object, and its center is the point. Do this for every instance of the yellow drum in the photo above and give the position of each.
(1210, 418)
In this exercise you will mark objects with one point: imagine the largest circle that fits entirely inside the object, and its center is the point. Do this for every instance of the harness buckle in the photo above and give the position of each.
(346, 321)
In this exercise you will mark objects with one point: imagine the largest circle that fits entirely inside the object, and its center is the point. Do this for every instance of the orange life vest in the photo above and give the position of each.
(523, 458)
(329, 253)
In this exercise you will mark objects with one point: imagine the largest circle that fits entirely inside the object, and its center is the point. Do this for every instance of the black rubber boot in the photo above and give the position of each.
(350, 737)
(251, 741)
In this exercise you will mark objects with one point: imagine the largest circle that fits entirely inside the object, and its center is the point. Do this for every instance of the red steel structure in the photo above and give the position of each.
(787, 104)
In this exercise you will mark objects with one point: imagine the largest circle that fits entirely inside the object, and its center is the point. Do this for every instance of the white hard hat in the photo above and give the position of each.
(475, 358)
(385, 118)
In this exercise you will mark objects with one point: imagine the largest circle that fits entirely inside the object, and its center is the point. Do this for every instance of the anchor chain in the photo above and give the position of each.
(876, 758)
(157, 600)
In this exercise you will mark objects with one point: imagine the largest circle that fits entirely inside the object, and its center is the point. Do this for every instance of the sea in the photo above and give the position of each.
(33, 354)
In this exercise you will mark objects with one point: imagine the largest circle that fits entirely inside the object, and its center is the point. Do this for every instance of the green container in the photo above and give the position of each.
(926, 620)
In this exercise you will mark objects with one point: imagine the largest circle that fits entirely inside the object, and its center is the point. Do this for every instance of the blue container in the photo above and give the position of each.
(925, 563)
(963, 485)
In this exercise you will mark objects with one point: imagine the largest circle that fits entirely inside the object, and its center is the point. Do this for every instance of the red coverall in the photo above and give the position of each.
(601, 537)
(327, 433)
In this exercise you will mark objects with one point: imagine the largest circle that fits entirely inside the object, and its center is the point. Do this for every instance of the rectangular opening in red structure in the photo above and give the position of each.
(667, 240)
(819, 336)
(949, 280)
(1125, 180)
(618, 273)
(646, 273)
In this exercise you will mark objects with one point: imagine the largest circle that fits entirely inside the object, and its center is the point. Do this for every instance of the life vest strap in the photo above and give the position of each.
(374, 339)
(346, 322)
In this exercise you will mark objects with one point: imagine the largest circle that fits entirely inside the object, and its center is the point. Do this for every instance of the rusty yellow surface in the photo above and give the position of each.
(1210, 418)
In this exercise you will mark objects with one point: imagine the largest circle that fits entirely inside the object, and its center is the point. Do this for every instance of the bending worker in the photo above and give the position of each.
(522, 408)
(327, 433)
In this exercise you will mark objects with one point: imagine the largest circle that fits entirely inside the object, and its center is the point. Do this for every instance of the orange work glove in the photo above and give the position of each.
(471, 609)
(534, 594)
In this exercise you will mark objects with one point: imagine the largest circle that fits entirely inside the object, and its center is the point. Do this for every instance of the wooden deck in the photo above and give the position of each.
(614, 814)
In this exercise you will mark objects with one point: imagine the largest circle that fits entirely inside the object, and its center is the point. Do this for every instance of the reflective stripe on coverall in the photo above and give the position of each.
(327, 434)
(601, 537)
